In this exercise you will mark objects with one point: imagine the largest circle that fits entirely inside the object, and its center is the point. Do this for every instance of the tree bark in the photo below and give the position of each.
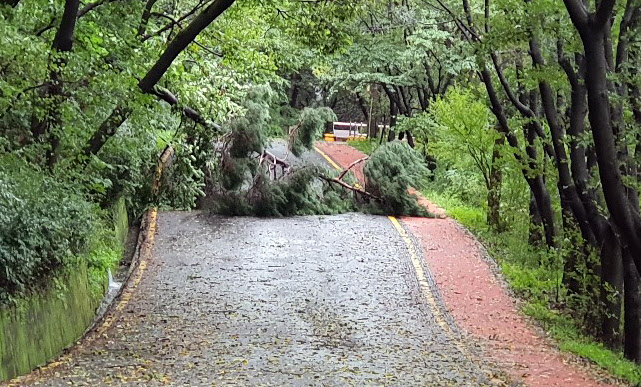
(632, 313)
(107, 129)
(611, 289)
(494, 189)
(180, 42)
(535, 236)
(144, 19)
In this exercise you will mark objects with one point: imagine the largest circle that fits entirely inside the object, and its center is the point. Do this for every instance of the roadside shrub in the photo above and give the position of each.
(43, 224)
(124, 169)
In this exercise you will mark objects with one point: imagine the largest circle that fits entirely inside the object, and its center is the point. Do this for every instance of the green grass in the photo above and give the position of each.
(368, 146)
(535, 284)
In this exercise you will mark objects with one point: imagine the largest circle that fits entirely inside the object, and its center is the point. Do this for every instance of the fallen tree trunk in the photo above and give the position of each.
(349, 187)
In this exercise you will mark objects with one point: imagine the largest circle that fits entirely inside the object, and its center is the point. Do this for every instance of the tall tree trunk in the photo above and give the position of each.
(363, 106)
(611, 290)
(632, 310)
(535, 236)
(391, 135)
(410, 139)
(53, 89)
(293, 99)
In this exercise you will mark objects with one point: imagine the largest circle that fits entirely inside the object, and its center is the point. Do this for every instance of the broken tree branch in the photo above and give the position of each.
(349, 187)
(340, 177)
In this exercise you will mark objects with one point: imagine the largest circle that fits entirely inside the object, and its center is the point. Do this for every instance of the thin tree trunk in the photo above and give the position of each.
(536, 223)
(144, 20)
(536, 184)
(63, 42)
(53, 89)
(107, 129)
(494, 189)
(391, 135)
(410, 139)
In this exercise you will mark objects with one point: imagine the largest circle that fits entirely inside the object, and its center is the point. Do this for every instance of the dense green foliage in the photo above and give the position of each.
(43, 224)
(391, 170)
(48, 225)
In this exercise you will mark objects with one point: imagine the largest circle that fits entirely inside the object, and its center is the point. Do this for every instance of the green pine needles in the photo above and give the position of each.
(390, 172)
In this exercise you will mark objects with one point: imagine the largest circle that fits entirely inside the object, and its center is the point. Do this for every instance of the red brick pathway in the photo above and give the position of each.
(477, 299)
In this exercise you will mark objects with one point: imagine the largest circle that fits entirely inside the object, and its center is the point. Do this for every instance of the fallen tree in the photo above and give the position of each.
(245, 178)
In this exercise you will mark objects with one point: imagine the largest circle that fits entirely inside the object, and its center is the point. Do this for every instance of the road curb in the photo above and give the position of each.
(144, 248)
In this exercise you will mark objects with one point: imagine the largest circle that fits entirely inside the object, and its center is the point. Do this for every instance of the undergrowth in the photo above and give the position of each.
(537, 285)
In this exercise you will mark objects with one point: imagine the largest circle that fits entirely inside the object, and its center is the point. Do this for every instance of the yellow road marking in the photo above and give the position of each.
(420, 273)
(145, 254)
(422, 278)
(426, 289)
(329, 159)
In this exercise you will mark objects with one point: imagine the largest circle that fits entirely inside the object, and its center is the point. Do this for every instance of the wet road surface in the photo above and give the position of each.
(322, 301)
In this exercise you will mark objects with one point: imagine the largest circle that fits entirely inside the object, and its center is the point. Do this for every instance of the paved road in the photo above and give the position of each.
(279, 148)
(306, 301)
(301, 301)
